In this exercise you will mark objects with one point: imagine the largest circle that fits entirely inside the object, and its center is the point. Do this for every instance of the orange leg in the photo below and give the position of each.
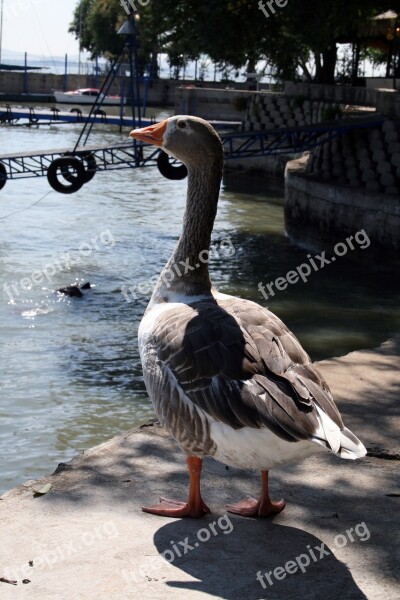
(264, 507)
(194, 507)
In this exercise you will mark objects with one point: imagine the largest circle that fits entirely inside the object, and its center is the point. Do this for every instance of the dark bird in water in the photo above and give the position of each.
(74, 291)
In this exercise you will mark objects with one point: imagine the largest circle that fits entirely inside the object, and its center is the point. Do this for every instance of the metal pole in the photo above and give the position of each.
(1, 29)
(137, 76)
(26, 74)
(80, 43)
(145, 97)
(97, 72)
(98, 101)
(131, 88)
(121, 104)
(66, 74)
(396, 52)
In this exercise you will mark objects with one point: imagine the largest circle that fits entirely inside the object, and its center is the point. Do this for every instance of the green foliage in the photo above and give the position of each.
(104, 20)
(81, 25)
(94, 24)
(375, 56)
(233, 33)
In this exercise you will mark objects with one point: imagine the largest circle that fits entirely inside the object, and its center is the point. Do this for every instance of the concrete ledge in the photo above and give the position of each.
(211, 103)
(88, 538)
(386, 102)
(329, 211)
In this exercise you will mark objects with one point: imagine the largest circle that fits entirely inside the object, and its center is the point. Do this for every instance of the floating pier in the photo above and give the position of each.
(54, 115)
(68, 169)
(36, 116)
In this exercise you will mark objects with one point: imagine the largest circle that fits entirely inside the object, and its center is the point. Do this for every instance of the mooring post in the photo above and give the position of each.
(66, 73)
(26, 85)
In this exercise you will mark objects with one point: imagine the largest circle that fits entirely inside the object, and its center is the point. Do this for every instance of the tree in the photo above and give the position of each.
(235, 33)
(81, 26)
(95, 24)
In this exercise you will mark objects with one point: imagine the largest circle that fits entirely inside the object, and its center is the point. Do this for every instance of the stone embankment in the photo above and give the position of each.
(344, 185)
(368, 159)
(348, 184)
(274, 111)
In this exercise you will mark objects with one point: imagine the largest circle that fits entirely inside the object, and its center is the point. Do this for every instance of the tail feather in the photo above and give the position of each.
(341, 442)
(350, 446)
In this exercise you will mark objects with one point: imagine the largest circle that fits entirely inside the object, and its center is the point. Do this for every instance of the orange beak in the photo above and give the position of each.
(152, 134)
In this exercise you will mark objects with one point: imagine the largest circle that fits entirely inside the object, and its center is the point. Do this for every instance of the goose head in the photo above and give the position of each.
(189, 139)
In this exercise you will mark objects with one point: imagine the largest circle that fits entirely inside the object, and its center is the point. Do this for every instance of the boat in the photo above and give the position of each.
(85, 96)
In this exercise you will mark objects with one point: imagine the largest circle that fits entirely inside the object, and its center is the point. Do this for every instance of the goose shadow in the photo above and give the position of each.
(234, 558)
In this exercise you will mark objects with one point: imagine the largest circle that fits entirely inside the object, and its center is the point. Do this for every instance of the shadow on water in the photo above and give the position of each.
(343, 306)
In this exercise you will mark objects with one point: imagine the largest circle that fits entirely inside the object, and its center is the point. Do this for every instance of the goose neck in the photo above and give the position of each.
(186, 272)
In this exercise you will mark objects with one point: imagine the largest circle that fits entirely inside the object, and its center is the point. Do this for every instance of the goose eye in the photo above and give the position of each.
(181, 124)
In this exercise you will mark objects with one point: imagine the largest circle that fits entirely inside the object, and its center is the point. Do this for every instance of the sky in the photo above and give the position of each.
(38, 27)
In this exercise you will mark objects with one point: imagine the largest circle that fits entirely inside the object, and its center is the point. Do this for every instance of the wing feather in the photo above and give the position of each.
(237, 362)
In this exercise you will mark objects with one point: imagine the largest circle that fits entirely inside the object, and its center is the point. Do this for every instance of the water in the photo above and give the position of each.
(70, 372)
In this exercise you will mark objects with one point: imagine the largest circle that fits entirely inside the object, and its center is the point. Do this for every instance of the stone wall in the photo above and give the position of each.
(211, 103)
(217, 102)
(386, 102)
(365, 159)
(274, 111)
(159, 93)
(348, 184)
(43, 83)
(318, 212)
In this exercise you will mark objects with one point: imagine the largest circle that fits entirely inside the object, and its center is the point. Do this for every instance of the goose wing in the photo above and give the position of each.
(239, 364)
